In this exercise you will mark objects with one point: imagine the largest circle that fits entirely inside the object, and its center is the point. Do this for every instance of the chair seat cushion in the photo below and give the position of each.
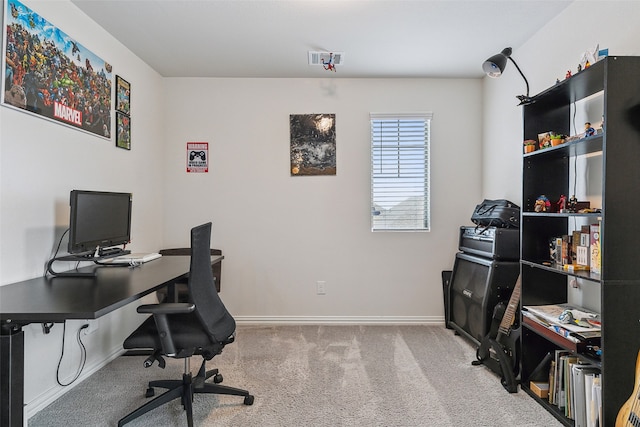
(187, 334)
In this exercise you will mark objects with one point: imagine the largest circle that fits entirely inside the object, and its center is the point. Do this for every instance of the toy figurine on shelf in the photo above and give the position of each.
(542, 204)
(573, 203)
(588, 130)
(590, 56)
(568, 74)
(562, 204)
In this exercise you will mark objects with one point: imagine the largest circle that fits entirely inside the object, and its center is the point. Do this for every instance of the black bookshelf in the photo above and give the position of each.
(547, 172)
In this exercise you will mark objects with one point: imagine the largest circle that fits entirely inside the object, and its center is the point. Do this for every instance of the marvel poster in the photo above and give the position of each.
(51, 75)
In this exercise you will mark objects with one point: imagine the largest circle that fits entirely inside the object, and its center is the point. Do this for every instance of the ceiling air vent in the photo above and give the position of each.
(318, 58)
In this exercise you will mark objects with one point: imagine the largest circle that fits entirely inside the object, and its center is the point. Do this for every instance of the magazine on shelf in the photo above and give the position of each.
(580, 325)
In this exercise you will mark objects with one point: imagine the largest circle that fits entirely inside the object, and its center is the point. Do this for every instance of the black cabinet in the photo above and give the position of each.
(552, 172)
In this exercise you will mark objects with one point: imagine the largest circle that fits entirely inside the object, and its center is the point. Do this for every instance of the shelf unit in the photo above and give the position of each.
(548, 172)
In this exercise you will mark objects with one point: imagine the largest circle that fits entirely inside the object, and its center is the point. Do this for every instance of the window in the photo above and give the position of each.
(400, 172)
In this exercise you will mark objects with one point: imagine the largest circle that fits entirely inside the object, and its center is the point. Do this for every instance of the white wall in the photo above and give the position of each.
(281, 234)
(42, 161)
(554, 49)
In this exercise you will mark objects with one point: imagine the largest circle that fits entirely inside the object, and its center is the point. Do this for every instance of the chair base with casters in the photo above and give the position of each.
(185, 390)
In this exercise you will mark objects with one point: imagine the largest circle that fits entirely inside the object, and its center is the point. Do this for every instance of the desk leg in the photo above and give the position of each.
(12, 378)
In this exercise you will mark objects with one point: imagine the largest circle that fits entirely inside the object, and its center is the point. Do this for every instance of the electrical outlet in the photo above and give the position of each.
(321, 287)
(93, 326)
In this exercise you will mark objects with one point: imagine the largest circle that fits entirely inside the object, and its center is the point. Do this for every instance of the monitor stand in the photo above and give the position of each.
(84, 257)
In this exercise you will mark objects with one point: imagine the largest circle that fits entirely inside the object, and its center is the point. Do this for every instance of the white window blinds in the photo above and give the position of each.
(400, 171)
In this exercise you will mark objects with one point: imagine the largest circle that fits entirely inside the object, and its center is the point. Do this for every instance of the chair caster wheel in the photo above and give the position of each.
(217, 378)
(248, 400)
(150, 392)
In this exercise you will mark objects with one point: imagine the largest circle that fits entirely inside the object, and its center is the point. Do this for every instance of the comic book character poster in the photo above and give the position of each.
(49, 74)
(313, 144)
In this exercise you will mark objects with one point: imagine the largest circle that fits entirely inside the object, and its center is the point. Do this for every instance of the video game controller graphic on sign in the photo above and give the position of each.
(199, 154)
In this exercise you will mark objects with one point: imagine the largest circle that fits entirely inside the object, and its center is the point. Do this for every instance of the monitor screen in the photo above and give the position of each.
(98, 219)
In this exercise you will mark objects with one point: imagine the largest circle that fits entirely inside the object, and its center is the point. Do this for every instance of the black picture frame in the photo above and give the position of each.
(123, 131)
(123, 95)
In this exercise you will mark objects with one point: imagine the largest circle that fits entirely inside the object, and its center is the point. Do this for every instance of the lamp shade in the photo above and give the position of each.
(494, 66)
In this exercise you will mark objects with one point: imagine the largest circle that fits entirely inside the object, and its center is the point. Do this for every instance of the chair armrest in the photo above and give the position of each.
(161, 314)
(166, 308)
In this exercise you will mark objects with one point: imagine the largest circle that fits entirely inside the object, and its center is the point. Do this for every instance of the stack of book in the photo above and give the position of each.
(575, 388)
(574, 383)
(578, 251)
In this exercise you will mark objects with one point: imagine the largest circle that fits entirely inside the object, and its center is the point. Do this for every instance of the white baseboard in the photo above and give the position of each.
(339, 320)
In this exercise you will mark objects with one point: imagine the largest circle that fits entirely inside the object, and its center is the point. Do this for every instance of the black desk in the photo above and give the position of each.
(46, 299)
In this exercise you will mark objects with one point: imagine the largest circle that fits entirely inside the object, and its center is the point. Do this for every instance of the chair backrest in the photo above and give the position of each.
(216, 268)
(215, 318)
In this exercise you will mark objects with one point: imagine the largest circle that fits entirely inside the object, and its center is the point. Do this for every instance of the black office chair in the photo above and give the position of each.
(203, 326)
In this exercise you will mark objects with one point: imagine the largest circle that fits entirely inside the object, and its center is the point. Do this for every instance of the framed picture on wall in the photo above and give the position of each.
(123, 131)
(123, 95)
(313, 144)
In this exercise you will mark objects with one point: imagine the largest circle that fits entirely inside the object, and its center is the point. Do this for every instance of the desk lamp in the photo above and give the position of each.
(495, 65)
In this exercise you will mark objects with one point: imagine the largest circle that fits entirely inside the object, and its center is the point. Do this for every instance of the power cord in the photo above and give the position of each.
(83, 355)
(57, 250)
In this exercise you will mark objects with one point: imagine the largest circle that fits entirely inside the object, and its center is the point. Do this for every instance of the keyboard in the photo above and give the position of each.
(133, 259)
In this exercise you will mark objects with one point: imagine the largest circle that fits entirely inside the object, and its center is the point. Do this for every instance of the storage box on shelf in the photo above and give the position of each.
(549, 172)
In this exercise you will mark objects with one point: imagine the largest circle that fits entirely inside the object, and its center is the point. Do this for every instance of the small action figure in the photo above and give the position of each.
(588, 130)
(568, 74)
(573, 203)
(562, 203)
(542, 204)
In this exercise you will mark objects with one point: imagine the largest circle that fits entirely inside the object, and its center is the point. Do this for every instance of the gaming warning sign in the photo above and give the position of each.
(197, 157)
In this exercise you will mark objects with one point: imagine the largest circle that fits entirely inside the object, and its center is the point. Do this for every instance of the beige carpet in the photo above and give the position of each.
(316, 376)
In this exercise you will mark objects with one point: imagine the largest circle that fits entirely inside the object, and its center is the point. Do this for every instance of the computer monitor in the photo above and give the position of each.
(98, 219)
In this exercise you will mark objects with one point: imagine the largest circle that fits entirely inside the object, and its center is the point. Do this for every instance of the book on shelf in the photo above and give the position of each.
(593, 398)
(578, 372)
(552, 382)
(578, 250)
(574, 388)
(564, 386)
(566, 249)
(555, 375)
(595, 248)
(575, 242)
